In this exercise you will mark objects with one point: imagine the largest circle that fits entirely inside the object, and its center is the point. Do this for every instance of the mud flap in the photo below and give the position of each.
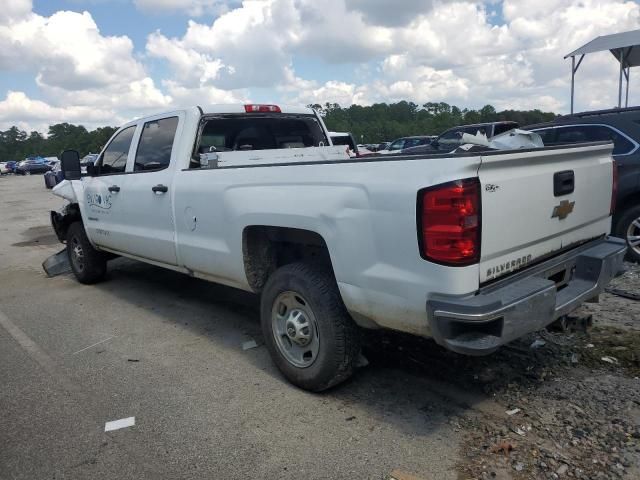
(57, 264)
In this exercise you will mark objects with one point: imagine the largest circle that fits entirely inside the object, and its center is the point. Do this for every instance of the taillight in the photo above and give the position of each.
(614, 188)
(253, 108)
(449, 222)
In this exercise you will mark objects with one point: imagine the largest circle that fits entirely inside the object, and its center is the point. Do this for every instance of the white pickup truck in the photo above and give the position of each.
(472, 249)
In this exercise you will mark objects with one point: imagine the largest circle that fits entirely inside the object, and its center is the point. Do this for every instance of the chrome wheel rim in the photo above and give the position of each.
(295, 329)
(77, 254)
(633, 236)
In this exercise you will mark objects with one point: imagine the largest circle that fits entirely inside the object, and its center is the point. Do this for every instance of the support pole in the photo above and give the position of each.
(626, 101)
(620, 81)
(573, 77)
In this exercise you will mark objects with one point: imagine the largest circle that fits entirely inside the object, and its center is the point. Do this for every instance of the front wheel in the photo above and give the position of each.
(307, 329)
(627, 227)
(88, 264)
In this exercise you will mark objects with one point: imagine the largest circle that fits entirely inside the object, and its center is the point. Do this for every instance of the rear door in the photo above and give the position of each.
(536, 203)
(147, 221)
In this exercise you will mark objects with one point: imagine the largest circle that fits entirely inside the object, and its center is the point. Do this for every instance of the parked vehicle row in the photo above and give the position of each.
(472, 250)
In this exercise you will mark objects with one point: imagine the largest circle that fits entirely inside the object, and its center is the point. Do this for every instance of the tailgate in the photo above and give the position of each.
(529, 211)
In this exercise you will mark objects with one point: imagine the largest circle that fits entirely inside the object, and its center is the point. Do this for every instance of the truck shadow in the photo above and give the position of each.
(409, 382)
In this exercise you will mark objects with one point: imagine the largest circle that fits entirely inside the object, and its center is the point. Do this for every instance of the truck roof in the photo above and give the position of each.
(240, 108)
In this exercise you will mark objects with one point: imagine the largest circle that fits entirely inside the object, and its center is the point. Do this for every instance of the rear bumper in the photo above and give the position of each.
(524, 302)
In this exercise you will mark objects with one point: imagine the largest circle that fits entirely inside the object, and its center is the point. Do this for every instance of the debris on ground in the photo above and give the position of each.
(623, 293)
(608, 359)
(537, 343)
(503, 447)
(513, 412)
(249, 345)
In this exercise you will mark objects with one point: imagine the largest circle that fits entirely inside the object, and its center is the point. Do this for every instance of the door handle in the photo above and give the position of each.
(160, 188)
(114, 188)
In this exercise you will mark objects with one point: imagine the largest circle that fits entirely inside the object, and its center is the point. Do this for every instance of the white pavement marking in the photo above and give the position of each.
(36, 353)
(118, 424)
(97, 343)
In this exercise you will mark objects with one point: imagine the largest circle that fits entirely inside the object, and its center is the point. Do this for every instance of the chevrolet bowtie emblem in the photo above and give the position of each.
(563, 210)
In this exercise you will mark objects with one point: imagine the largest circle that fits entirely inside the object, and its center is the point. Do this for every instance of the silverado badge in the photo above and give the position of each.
(563, 210)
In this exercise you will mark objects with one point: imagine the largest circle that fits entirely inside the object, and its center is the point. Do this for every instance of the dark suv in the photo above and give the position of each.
(622, 127)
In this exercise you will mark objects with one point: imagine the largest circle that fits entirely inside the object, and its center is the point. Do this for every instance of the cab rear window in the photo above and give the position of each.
(243, 133)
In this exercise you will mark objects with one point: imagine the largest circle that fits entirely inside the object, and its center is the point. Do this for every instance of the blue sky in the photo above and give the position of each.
(102, 62)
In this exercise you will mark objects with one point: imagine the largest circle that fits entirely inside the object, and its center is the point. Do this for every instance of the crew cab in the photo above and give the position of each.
(473, 250)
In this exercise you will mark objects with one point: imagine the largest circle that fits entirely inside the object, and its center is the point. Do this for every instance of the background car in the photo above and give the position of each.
(32, 166)
(345, 138)
(622, 128)
(53, 176)
(89, 159)
(406, 142)
(452, 138)
(10, 165)
(4, 169)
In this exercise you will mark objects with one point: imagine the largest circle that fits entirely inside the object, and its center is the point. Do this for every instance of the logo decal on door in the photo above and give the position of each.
(99, 200)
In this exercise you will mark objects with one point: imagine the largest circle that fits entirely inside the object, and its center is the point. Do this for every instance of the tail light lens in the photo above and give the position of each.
(449, 222)
(614, 188)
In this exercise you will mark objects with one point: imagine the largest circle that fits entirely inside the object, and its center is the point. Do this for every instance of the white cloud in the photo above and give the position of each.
(14, 9)
(194, 8)
(78, 70)
(19, 109)
(458, 51)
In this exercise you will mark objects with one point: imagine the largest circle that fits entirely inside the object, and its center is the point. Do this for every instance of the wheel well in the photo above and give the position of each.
(62, 221)
(266, 249)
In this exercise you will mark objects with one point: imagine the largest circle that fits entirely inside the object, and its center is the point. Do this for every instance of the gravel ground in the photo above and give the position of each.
(553, 408)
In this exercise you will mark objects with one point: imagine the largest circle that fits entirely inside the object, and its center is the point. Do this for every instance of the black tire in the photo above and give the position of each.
(338, 335)
(624, 228)
(88, 264)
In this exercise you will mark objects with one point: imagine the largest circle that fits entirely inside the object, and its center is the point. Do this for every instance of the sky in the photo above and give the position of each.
(104, 62)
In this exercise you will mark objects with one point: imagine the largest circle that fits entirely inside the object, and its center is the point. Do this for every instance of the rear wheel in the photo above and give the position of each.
(628, 228)
(308, 331)
(88, 264)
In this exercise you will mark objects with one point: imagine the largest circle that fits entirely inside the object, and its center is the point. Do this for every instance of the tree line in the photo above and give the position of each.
(16, 144)
(386, 122)
(370, 124)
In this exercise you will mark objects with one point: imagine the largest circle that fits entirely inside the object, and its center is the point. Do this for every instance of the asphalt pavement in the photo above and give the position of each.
(166, 349)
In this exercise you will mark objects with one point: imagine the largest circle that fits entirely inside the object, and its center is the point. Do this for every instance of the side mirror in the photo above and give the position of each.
(70, 165)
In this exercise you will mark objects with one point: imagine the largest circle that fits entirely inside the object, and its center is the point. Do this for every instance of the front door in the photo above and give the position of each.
(104, 196)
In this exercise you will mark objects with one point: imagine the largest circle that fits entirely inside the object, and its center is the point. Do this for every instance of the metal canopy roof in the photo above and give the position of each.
(624, 46)
(617, 43)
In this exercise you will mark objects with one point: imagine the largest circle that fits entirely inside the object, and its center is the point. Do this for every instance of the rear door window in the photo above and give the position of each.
(595, 133)
(156, 144)
(114, 157)
(548, 135)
